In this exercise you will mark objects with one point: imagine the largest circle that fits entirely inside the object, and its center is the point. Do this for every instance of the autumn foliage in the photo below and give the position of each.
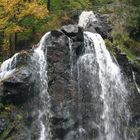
(13, 14)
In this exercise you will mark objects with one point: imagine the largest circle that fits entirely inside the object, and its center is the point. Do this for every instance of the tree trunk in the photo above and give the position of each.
(33, 33)
(13, 40)
(49, 4)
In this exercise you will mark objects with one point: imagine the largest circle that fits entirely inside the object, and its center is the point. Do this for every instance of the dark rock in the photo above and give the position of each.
(100, 26)
(136, 67)
(73, 17)
(72, 31)
(18, 88)
(63, 89)
(56, 33)
(138, 59)
(3, 124)
(77, 38)
(135, 121)
(137, 78)
(122, 58)
(55, 120)
(136, 72)
(59, 133)
(125, 64)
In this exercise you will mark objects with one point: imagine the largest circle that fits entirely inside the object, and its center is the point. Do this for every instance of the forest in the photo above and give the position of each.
(23, 22)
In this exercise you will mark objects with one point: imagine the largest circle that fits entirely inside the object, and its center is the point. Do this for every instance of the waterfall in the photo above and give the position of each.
(113, 91)
(90, 99)
(71, 55)
(8, 67)
(104, 80)
(136, 85)
(40, 54)
(113, 114)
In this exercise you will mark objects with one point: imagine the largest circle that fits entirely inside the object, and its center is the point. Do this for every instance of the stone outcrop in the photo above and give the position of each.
(100, 26)
(19, 86)
(71, 112)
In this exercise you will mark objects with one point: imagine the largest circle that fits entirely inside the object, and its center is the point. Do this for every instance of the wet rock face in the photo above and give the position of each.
(17, 98)
(125, 65)
(132, 72)
(75, 33)
(100, 26)
(3, 124)
(136, 69)
(72, 114)
(18, 88)
(62, 89)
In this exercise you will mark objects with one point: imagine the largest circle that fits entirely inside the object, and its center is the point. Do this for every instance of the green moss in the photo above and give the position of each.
(7, 131)
(130, 47)
(69, 5)
(6, 111)
(1, 60)
(109, 46)
(1, 106)
(4, 114)
(13, 122)
(19, 117)
(134, 130)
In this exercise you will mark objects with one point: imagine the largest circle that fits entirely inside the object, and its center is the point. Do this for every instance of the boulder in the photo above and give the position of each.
(72, 31)
(18, 87)
(75, 33)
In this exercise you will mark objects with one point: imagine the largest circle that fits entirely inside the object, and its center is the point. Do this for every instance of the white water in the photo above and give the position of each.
(43, 86)
(137, 87)
(7, 67)
(115, 115)
(113, 91)
(71, 55)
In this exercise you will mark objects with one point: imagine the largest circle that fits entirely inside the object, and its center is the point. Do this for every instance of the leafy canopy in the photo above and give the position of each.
(12, 12)
(19, 15)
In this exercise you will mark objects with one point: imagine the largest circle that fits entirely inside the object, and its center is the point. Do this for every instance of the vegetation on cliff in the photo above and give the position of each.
(23, 22)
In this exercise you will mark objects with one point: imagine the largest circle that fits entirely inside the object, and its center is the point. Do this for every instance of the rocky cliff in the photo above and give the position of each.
(71, 112)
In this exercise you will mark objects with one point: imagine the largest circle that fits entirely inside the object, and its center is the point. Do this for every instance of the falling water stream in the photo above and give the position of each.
(40, 53)
(8, 67)
(137, 87)
(113, 93)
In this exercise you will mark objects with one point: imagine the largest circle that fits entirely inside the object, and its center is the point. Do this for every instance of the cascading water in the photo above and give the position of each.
(8, 67)
(43, 86)
(114, 114)
(137, 87)
(71, 55)
(113, 91)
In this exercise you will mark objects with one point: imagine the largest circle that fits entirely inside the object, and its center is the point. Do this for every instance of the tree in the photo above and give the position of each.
(49, 4)
(13, 14)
